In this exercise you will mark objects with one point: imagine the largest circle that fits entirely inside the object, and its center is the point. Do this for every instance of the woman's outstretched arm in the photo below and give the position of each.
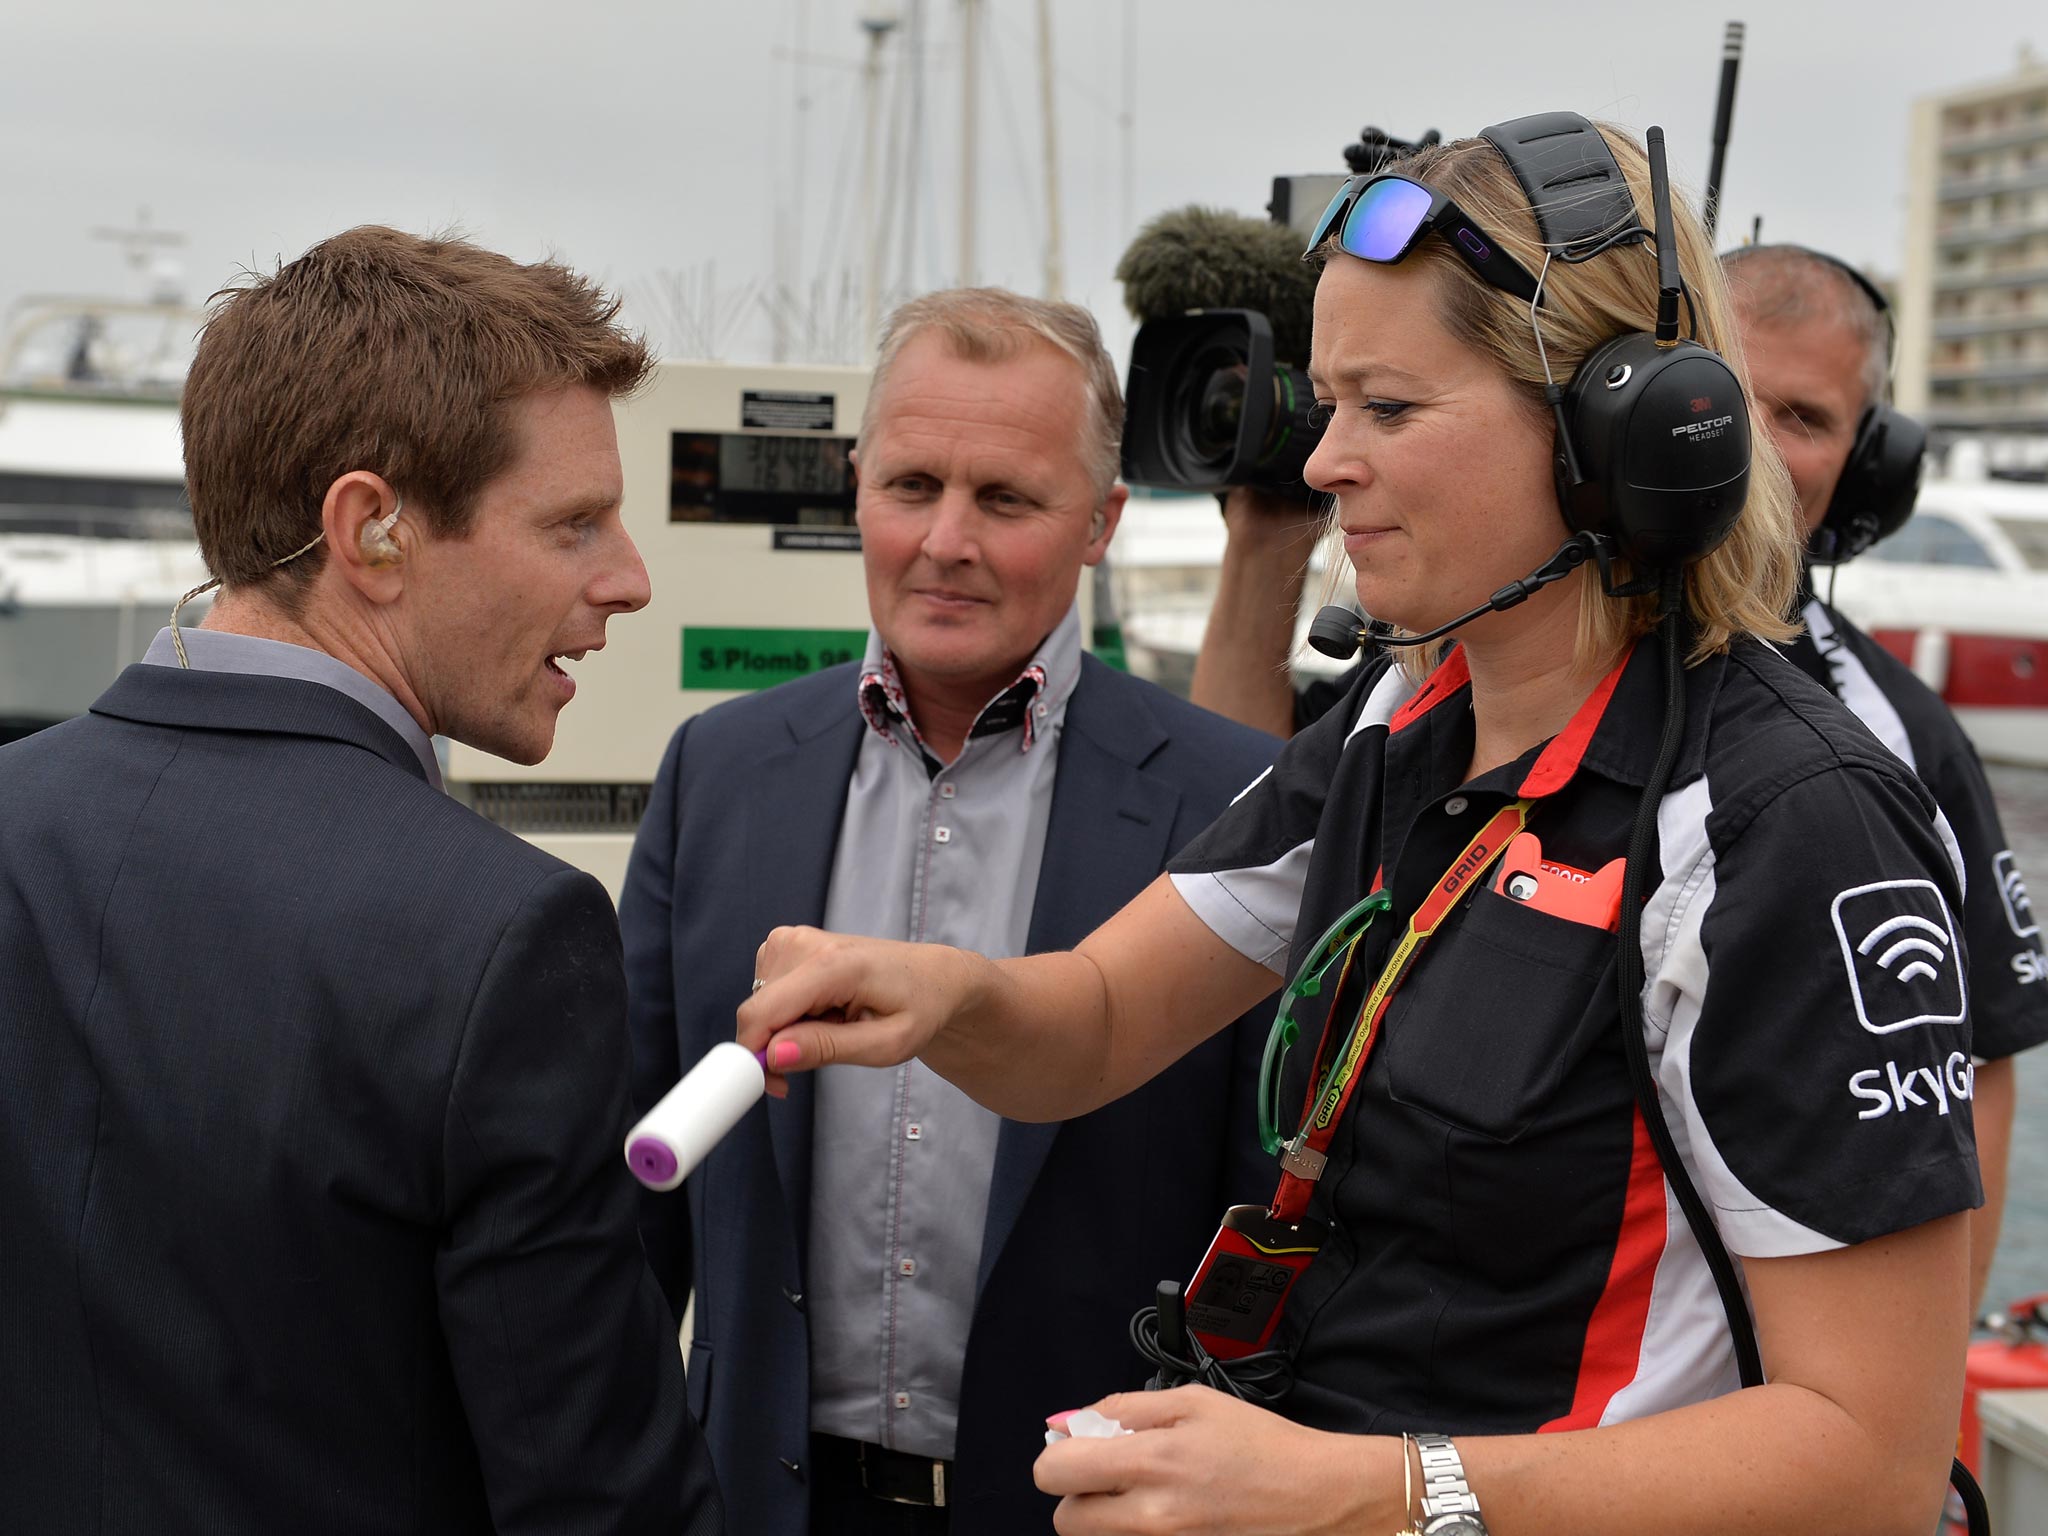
(1046, 1037)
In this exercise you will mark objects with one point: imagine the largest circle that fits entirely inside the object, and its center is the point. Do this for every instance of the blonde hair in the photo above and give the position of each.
(1747, 584)
(994, 325)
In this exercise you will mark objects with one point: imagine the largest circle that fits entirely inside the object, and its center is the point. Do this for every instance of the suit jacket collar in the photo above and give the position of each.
(233, 701)
(793, 819)
(1110, 821)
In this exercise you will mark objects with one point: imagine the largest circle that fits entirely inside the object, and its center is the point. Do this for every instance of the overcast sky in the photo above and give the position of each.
(667, 146)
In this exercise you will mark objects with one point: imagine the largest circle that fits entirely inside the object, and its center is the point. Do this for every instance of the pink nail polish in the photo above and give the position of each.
(783, 1055)
(1059, 1420)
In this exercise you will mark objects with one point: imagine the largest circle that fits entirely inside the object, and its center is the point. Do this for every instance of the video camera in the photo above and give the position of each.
(1217, 395)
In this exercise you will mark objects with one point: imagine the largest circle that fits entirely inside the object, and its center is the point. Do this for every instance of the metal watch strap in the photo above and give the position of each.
(1444, 1489)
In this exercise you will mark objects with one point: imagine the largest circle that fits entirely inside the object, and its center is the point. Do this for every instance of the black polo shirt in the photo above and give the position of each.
(1505, 1255)
(2008, 974)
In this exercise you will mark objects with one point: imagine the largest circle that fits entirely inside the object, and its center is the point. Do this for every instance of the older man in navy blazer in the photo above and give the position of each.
(312, 1218)
(894, 1287)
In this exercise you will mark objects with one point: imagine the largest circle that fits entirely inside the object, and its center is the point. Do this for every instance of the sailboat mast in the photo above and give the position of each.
(970, 73)
(1048, 110)
(878, 29)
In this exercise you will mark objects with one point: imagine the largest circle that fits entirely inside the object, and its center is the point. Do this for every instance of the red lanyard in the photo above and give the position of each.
(1330, 1090)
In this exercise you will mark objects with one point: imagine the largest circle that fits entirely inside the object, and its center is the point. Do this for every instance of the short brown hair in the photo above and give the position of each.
(381, 351)
(991, 325)
(1745, 585)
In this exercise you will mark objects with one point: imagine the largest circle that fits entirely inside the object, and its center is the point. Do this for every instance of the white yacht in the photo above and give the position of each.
(96, 538)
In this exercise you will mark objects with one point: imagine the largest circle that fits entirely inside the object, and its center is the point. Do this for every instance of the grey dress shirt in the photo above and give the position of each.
(901, 1159)
(214, 650)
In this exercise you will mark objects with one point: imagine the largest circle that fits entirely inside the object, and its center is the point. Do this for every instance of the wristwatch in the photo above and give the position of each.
(1448, 1507)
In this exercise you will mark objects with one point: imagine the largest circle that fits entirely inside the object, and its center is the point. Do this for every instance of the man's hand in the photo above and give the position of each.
(1202, 1462)
(1242, 670)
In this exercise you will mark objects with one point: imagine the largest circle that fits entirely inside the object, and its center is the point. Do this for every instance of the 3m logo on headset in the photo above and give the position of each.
(1899, 945)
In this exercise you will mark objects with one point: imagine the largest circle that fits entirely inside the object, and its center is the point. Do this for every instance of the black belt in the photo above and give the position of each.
(875, 1470)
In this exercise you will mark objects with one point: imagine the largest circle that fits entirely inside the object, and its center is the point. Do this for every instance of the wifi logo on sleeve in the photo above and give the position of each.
(2012, 890)
(1899, 944)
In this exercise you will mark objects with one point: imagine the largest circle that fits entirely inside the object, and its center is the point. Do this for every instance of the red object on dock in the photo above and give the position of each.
(2017, 1358)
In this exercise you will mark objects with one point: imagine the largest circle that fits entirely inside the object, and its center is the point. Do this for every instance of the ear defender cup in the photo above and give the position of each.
(1662, 439)
(1653, 436)
(1875, 492)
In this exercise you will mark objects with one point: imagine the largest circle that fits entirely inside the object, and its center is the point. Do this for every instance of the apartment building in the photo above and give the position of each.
(1973, 302)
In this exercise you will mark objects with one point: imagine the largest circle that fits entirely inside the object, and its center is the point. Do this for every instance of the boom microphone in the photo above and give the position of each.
(1337, 632)
(1217, 396)
(1206, 258)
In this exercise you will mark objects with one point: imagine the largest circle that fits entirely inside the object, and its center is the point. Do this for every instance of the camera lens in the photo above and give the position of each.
(1220, 410)
(1209, 406)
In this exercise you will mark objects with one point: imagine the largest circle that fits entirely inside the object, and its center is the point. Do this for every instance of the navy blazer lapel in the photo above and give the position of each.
(793, 815)
(1106, 839)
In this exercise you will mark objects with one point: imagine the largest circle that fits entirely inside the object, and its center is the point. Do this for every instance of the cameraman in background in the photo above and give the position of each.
(1271, 530)
(1242, 669)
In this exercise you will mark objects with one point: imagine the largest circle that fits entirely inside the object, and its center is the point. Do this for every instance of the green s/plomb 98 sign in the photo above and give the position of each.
(738, 659)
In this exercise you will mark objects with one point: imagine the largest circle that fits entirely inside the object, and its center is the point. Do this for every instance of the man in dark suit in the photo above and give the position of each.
(894, 1287)
(313, 1212)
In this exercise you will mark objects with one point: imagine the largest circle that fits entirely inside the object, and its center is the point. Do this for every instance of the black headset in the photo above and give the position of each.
(1880, 480)
(1653, 432)
(1653, 435)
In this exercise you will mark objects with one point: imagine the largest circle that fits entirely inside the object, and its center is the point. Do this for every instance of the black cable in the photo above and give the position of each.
(1976, 1516)
(1261, 1378)
(1629, 974)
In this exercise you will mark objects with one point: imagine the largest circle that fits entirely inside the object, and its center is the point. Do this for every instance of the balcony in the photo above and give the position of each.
(2028, 130)
(1962, 190)
(2016, 370)
(1963, 235)
(1963, 280)
(2012, 418)
(1987, 325)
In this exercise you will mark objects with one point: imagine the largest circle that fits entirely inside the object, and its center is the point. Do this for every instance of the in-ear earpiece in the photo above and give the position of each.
(379, 550)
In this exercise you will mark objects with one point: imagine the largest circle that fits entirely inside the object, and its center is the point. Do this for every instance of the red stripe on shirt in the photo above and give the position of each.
(1451, 674)
(1613, 1349)
(1558, 761)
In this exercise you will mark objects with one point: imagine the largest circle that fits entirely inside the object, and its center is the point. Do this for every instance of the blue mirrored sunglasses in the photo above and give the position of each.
(1379, 218)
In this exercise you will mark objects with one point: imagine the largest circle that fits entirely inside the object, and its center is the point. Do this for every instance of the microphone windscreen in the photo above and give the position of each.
(1207, 258)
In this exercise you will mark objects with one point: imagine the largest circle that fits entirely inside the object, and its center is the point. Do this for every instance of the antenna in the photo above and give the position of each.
(1724, 115)
(1669, 284)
